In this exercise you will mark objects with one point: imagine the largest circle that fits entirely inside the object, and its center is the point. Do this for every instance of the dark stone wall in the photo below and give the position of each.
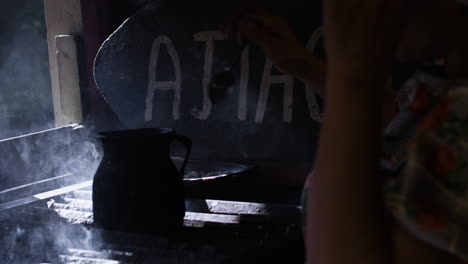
(25, 88)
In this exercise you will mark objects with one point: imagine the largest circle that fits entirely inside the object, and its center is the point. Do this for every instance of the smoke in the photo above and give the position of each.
(26, 94)
(64, 151)
(56, 243)
(81, 156)
(51, 159)
(39, 162)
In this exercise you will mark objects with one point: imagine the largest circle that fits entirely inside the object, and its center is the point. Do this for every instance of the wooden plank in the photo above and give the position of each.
(76, 217)
(74, 259)
(245, 208)
(78, 203)
(206, 206)
(43, 196)
(63, 17)
(212, 218)
(199, 212)
(32, 184)
(69, 79)
(82, 194)
(63, 190)
(72, 126)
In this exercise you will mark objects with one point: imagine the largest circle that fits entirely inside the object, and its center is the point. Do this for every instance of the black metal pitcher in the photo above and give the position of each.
(137, 187)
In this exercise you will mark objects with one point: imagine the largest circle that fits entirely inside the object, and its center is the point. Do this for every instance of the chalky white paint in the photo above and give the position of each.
(314, 109)
(243, 84)
(267, 80)
(208, 37)
(154, 85)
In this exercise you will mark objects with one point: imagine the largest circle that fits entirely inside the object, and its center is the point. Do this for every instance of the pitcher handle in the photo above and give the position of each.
(187, 142)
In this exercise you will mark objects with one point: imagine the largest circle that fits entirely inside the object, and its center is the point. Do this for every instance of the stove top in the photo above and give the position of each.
(56, 227)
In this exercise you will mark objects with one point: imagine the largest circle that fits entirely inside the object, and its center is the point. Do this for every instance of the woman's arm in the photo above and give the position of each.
(345, 215)
(345, 210)
(275, 37)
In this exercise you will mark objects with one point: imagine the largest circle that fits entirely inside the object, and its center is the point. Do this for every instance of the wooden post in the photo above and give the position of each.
(69, 79)
(63, 17)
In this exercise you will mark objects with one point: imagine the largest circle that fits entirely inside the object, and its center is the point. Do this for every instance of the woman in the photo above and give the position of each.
(423, 152)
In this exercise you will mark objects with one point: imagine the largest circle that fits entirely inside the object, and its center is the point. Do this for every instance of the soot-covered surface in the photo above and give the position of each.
(155, 71)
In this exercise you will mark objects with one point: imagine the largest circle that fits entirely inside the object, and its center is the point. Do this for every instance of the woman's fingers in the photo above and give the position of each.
(232, 21)
(254, 32)
(273, 35)
(266, 18)
(251, 18)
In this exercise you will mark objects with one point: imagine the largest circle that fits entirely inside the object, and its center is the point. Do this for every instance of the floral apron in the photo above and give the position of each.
(425, 162)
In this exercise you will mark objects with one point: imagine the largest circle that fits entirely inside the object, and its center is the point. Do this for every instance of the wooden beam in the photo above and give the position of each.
(43, 196)
(69, 79)
(63, 17)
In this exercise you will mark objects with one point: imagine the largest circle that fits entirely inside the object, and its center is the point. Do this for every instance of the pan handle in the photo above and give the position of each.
(187, 142)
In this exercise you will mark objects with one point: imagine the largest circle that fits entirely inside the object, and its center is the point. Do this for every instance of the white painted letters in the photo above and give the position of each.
(267, 81)
(314, 109)
(243, 85)
(209, 37)
(154, 85)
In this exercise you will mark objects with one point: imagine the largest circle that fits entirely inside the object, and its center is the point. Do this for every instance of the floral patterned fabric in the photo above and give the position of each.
(425, 162)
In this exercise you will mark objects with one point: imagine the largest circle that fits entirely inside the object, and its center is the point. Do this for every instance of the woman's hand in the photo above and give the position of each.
(275, 37)
(361, 35)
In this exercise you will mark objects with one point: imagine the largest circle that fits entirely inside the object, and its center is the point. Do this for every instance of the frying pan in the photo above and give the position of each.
(203, 171)
(211, 179)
